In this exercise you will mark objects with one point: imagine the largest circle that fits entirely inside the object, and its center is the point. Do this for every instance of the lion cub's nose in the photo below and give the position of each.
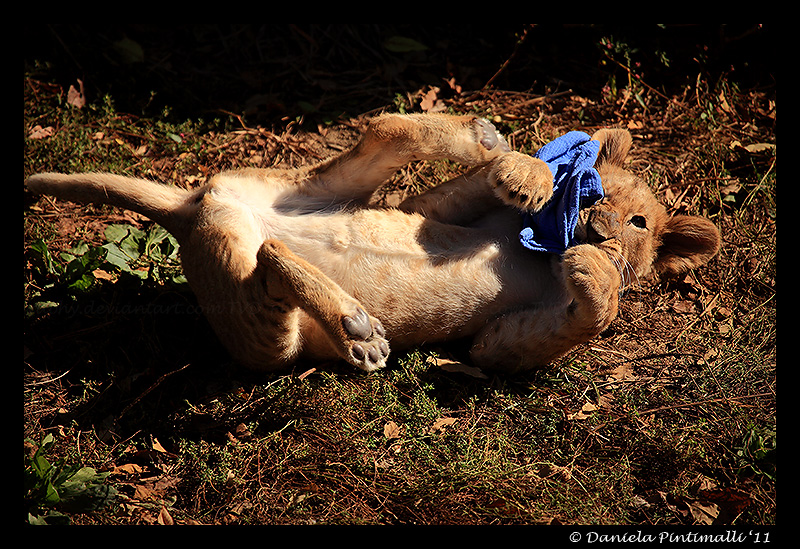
(603, 224)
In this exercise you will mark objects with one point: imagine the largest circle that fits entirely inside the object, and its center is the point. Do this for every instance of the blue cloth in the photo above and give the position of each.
(576, 185)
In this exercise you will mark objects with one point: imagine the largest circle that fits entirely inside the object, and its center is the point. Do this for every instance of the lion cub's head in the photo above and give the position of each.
(630, 222)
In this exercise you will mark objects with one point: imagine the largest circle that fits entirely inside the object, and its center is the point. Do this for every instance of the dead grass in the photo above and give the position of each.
(667, 418)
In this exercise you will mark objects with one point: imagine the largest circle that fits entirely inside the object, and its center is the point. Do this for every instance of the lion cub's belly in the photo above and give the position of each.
(425, 280)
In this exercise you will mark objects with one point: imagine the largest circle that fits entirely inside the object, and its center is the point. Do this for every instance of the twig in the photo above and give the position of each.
(513, 55)
(46, 381)
(237, 117)
(700, 403)
(147, 391)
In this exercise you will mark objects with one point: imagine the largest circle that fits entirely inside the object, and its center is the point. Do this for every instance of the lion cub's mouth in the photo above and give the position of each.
(600, 228)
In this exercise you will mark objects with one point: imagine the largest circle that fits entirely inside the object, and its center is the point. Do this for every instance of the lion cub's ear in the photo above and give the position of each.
(615, 144)
(687, 242)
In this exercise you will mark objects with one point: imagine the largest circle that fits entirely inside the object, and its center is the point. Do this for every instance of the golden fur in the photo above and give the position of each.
(291, 264)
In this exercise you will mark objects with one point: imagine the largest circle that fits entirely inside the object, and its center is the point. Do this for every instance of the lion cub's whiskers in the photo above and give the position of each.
(624, 267)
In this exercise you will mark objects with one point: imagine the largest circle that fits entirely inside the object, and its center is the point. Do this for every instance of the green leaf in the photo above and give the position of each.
(51, 518)
(42, 260)
(125, 246)
(306, 107)
(74, 252)
(401, 44)
(80, 271)
(115, 233)
(154, 241)
(69, 488)
(117, 257)
(47, 442)
(129, 50)
(84, 491)
(39, 474)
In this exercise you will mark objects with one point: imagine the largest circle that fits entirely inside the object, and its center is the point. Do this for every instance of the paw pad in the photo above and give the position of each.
(358, 325)
(488, 136)
(369, 348)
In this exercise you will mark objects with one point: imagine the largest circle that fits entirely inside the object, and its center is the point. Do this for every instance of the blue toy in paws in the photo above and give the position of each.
(576, 185)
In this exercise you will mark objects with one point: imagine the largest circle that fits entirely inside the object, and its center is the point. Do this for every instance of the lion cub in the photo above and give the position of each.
(291, 264)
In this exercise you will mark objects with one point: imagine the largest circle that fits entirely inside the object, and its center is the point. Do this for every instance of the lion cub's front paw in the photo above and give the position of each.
(367, 347)
(488, 137)
(522, 181)
(594, 282)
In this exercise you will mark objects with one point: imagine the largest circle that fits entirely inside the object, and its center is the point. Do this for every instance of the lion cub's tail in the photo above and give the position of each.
(167, 206)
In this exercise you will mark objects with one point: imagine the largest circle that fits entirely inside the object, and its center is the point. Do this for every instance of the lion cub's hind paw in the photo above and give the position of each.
(368, 348)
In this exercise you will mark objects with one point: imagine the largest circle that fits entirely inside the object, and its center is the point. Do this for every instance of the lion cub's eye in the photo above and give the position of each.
(638, 221)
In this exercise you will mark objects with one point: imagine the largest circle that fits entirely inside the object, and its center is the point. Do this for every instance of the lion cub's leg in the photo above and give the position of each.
(357, 337)
(391, 141)
(459, 201)
(525, 339)
(515, 179)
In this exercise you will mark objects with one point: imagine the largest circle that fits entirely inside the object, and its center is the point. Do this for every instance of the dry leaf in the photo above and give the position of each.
(586, 411)
(127, 469)
(160, 449)
(143, 493)
(165, 518)
(730, 501)
(453, 85)
(440, 424)
(711, 506)
(723, 103)
(606, 402)
(758, 147)
(731, 188)
(553, 471)
(39, 132)
(384, 463)
(100, 274)
(166, 482)
(683, 307)
(623, 372)
(753, 147)
(721, 313)
(391, 430)
(242, 432)
(428, 100)
(75, 97)
(459, 367)
(703, 512)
